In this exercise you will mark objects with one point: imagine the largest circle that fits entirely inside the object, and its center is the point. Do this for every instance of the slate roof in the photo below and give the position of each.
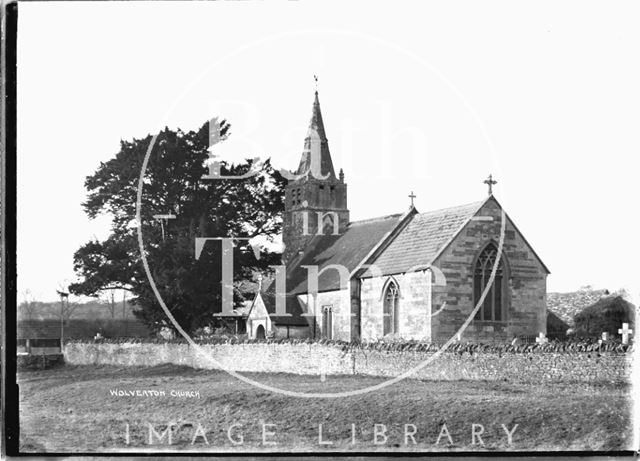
(293, 307)
(38, 329)
(424, 238)
(348, 249)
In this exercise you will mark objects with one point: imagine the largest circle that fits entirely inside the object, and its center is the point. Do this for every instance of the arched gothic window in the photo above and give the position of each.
(391, 300)
(493, 307)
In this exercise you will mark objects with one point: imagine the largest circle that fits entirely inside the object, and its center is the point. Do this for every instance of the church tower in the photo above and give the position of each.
(315, 199)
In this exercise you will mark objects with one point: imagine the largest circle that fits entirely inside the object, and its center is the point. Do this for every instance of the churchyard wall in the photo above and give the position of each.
(493, 364)
(524, 296)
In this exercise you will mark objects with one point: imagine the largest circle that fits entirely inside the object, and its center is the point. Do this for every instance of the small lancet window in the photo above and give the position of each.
(391, 301)
(327, 322)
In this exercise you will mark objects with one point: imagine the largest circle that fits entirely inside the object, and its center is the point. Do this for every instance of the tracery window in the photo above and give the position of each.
(492, 308)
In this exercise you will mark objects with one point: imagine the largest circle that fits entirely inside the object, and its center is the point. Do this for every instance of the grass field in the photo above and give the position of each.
(71, 409)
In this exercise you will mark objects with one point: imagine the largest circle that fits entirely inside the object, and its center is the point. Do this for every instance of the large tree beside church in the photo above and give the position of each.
(174, 184)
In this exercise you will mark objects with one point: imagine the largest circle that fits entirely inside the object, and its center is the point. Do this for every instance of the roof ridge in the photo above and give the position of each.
(360, 221)
(393, 215)
(476, 203)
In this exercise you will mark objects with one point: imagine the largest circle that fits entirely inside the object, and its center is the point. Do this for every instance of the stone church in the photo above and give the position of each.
(408, 275)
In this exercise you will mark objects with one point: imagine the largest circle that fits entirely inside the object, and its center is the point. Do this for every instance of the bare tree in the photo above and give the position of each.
(67, 307)
(108, 297)
(28, 305)
(70, 309)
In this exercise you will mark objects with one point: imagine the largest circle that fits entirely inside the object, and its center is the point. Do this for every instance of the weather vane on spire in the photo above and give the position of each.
(315, 77)
(490, 182)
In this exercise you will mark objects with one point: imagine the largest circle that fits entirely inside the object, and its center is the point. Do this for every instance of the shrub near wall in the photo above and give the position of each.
(560, 362)
(38, 362)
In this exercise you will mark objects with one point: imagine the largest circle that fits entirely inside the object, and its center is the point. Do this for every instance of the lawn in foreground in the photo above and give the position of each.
(82, 408)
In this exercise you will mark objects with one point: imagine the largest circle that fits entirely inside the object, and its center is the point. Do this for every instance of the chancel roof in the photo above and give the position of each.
(348, 250)
(423, 238)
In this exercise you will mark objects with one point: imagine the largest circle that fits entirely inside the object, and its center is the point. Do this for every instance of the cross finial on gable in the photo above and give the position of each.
(490, 182)
(412, 196)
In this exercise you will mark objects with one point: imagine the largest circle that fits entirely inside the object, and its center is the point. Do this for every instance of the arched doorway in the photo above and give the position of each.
(260, 332)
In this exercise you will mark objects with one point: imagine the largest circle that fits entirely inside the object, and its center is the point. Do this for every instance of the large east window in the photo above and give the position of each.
(493, 307)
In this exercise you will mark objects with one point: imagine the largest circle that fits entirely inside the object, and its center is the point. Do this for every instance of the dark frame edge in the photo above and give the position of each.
(10, 425)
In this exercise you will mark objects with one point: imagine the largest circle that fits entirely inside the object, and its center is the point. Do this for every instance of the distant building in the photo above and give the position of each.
(38, 337)
(567, 305)
(42, 337)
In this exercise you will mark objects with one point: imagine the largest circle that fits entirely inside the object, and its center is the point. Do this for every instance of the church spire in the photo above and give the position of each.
(316, 158)
(315, 201)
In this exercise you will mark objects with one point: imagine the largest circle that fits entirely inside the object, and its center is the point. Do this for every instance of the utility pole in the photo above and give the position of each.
(124, 314)
(63, 296)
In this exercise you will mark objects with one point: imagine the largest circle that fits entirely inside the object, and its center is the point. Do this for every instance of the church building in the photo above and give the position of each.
(409, 275)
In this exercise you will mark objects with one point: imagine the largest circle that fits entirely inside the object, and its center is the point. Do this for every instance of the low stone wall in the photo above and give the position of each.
(314, 358)
(514, 367)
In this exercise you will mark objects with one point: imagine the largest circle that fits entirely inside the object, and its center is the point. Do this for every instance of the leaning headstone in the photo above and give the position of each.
(604, 338)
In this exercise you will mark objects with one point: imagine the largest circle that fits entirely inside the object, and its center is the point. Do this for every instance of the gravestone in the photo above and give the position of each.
(625, 331)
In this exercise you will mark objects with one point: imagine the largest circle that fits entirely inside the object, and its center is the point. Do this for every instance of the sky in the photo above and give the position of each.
(429, 97)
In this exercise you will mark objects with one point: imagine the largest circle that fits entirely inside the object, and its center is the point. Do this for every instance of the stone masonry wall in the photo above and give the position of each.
(314, 358)
(340, 304)
(524, 297)
(415, 321)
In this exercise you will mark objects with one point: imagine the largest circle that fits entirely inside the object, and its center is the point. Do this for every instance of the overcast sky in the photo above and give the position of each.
(428, 97)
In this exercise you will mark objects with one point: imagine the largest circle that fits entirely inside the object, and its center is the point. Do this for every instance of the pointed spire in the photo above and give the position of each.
(316, 147)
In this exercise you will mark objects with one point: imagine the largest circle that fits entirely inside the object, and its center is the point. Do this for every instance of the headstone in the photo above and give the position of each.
(323, 371)
(625, 332)
(541, 339)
